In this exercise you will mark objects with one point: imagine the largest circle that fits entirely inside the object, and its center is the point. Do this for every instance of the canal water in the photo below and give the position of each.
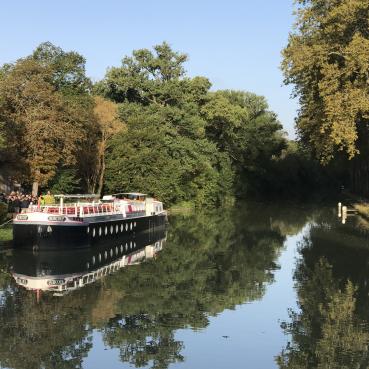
(259, 286)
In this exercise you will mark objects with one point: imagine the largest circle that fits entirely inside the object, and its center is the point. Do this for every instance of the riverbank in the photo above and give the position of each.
(6, 234)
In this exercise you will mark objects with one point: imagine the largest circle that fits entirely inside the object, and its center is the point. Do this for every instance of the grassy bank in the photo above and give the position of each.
(6, 234)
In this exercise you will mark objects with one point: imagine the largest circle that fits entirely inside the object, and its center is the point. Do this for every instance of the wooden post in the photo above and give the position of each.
(344, 214)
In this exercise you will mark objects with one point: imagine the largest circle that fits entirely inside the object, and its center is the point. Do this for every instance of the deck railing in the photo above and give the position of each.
(88, 209)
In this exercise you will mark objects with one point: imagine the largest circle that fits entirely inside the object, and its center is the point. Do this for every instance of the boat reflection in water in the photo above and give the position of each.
(60, 272)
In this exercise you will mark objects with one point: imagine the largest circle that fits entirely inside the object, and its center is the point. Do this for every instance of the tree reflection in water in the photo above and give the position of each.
(211, 262)
(331, 328)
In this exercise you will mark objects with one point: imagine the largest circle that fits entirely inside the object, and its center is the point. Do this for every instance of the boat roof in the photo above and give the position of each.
(129, 193)
(77, 196)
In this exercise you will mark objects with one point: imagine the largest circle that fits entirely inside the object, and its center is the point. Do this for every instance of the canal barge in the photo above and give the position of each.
(86, 221)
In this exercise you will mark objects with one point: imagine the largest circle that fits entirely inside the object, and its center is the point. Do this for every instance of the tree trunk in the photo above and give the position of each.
(102, 172)
(35, 188)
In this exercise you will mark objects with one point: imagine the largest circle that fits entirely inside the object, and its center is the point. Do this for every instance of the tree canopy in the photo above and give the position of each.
(146, 126)
(326, 61)
(183, 142)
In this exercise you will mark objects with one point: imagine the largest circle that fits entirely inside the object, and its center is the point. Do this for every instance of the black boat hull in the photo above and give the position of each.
(51, 237)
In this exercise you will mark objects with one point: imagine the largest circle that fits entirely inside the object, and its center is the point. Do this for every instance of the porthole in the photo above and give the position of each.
(130, 244)
(134, 224)
(131, 226)
(134, 244)
(93, 260)
(116, 228)
(88, 265)
(93, 232)
(111, 253)
(106, 255)
(88, 230)
(126, 246)
(106, 230)
(126, 226)
(116, 250)
(100, 258)
(111, 229)
(100, 231)
(121, 248)
(121, 227)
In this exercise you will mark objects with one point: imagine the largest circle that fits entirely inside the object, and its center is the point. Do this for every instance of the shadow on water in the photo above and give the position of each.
(331, 328)
(209, 262)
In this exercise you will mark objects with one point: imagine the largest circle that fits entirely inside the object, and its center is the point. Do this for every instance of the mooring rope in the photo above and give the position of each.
(10, 220)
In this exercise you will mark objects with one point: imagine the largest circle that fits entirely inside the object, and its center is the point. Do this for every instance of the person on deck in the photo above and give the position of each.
(49, 198)
(41, 201)
(24, 203)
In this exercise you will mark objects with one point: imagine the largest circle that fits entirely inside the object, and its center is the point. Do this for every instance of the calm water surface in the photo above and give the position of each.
(260, 286)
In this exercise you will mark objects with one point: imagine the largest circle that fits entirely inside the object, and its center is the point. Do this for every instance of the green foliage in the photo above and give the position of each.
(66, 181)
(242, 127)
(326, 62)
(45, 125)
(6, 234)
(3, 212)
(151, 156)
(164, 151)
(182, 142)
(68, 68)
(173, 138)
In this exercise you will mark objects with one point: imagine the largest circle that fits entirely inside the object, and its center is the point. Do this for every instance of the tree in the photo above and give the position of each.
(46, 112)
(165, 151)
(67, 68)
(108, 125)
(326, 61)
(38, 126)
(153, 157)
(242, 127)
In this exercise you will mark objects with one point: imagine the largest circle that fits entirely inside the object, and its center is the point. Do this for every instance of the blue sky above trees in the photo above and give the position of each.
(235, 43)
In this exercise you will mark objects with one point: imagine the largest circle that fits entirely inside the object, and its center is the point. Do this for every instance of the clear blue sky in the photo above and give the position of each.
(235, 43)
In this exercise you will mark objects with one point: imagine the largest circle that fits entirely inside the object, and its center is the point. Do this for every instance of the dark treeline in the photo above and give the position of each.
(147, 126)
